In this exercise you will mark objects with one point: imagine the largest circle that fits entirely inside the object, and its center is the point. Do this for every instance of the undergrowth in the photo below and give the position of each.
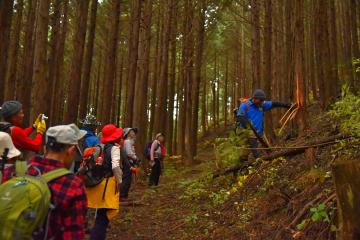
(347, 113)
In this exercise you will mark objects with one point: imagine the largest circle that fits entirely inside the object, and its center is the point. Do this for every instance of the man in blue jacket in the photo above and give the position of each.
(252, 112)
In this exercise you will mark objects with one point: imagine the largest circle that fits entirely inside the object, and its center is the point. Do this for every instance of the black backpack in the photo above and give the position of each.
(148, 149)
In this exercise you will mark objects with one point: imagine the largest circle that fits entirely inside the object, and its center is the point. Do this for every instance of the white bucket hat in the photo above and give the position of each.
(6, 143)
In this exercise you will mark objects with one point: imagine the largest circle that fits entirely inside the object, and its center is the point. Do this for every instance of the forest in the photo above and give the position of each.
(179, 67)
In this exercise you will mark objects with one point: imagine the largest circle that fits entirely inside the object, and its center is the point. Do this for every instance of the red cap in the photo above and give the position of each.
(111, 133)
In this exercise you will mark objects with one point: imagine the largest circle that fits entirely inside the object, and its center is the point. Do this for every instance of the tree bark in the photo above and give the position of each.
(323, 51)
(55, 24)
(299, 48)
(267, 74)
(255, 44)
(39, 95)
(172, 83)
(85, 82)
(133, 58)
(14, 53)
(142, 83)
(110, 60)
(161, 106)
(71, 115)
(6, 10)
(58, 91)
(347, 182)
(198, 78)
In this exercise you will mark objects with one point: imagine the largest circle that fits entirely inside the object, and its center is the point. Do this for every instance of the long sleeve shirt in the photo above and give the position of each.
(155, 151)
(115, 157)
(21, 139)
(129, 147)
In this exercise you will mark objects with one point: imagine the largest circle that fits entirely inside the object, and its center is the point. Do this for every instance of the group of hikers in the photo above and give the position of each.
(83, 170)
(80, 169)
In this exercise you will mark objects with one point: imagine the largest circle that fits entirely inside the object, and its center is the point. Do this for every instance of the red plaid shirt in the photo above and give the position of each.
(69, 197)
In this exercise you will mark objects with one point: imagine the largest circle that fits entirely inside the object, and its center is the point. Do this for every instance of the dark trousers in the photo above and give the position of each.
(126, 184)
(126, 179)
(101, 224)
(253, 143)
(155, 173)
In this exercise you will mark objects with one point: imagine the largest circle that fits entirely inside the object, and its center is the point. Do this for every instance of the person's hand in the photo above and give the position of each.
(152, 163)
(41, 127)
(37, 121)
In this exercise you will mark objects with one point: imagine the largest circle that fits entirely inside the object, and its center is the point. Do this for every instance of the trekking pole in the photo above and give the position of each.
(106, 183)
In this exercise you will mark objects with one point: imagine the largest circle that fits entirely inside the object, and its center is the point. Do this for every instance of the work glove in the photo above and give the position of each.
(134, 170)
(37, 121)
(281, 105)
(41, 127)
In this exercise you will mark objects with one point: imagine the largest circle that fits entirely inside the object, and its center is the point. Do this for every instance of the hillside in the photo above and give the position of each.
(287, 198)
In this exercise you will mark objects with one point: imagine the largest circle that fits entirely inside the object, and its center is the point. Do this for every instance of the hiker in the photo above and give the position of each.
(90, 125)
(129, 162)
(13, 115)
(105, 196)
(7, 158)
(157, 154)
(251, 111)
(66, 220)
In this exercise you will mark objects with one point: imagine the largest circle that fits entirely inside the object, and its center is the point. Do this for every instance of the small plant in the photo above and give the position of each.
(356, 64)
(219, 198)
(320, 213)
(192, 218)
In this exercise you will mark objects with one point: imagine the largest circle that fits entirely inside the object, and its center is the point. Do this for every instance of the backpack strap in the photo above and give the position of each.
(54, 174)
(247, 105)
(21, 168)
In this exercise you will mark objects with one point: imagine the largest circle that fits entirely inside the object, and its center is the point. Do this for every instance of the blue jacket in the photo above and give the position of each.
(90, 139)
(255, 114)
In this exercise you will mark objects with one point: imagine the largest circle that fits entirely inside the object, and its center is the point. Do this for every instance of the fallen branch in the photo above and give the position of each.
(298, 150)
(290, 151)
(234, 169)
(302, 212)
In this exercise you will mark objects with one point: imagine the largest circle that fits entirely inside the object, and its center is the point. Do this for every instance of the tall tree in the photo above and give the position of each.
(6, 10)
(172, 82)
(161, 106)
(200, 41)
(14, 53)
(85, 79)
(55, 24)
(323, 51)
(255, 43)
(74, 85)
(267, 68)
(58, 91)
(133, 58)
(110, 68)
(142, 83)
(39, 95)
(300, 88)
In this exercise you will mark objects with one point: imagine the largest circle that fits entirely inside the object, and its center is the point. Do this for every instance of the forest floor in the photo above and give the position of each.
(280, 199)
